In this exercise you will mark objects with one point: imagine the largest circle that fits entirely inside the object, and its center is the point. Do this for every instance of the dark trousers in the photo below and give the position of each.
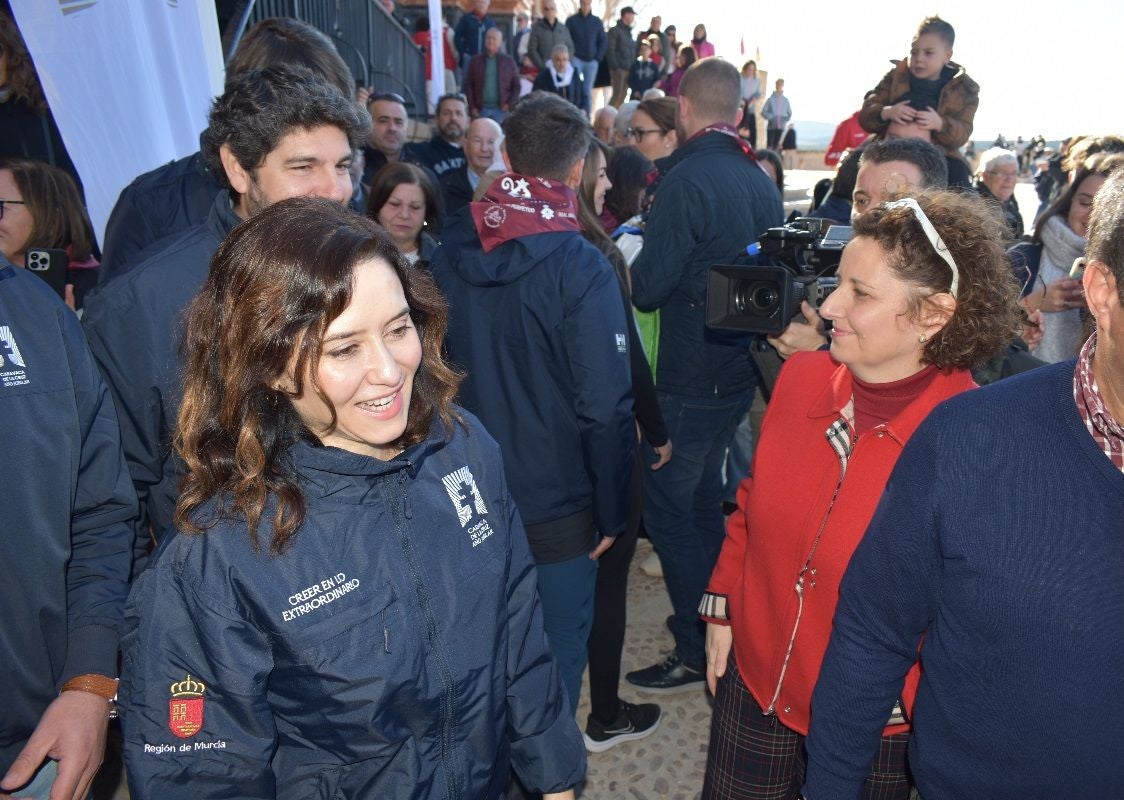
(773, 138)
(754, 757)
(606, 638)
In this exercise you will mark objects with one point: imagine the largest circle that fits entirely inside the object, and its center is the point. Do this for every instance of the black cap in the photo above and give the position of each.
(628, 10)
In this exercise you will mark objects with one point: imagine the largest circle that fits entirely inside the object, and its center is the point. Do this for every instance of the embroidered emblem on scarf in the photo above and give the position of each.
(516, 205)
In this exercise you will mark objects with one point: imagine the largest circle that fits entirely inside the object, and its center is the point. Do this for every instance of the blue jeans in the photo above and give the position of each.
(683, 505)
(588, 69)
(566, 589)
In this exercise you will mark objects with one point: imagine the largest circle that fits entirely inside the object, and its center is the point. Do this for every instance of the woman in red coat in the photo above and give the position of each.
(910, 317)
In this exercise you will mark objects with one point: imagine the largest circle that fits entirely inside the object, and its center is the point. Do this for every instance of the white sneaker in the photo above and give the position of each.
(651, 566)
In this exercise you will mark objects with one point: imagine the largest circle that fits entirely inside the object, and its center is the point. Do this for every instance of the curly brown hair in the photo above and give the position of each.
(275, 285)
(987, 316)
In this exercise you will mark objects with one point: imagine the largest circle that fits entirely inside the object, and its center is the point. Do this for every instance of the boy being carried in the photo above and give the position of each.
(927, 91)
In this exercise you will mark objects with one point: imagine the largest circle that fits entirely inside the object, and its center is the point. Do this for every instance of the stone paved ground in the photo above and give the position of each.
(669, 763)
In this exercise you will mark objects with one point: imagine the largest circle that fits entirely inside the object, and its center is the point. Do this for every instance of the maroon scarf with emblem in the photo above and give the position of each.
(516, 205)
(731, 131)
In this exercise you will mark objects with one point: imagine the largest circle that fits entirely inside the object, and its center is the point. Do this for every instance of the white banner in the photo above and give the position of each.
(436, 53)
(129, 82)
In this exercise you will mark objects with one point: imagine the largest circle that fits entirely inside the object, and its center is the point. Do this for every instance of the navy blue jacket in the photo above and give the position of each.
(161, 203)
(712, 202)
(66, 535)
(395, 651)
(436, 155)
(134, 326)
(588, 33)
(539, 326)
(468, 37)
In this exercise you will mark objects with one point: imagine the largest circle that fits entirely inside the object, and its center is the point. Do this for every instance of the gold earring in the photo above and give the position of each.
(921, 338)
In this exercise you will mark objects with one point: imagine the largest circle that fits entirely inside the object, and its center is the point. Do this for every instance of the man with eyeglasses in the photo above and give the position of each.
(445, 150)
(996, 550)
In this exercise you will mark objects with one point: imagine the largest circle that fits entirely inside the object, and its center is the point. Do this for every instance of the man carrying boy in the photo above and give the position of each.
(927, 90)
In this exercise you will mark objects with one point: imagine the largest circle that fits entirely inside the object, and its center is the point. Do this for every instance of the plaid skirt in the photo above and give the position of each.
(753, 756)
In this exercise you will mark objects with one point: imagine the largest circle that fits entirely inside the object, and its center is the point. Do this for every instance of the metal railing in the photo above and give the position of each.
(378, 50)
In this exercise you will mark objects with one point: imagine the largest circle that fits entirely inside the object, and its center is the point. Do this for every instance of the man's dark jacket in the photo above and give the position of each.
(539, 327)
(713, 201)
(156, 205)
(588, 33)
(455, 189)
(436, 155)
(135, 326)
(66, 539)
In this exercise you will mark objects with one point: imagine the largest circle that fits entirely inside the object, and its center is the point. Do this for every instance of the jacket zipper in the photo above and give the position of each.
(449, 691)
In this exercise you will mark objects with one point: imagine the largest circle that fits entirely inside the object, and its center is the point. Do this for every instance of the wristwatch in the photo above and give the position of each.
(101, 685)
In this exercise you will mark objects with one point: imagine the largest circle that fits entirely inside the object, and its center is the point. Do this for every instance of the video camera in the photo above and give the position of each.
(764, 299)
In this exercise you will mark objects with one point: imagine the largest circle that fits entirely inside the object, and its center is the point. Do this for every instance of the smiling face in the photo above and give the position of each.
(1082, 205)
(872, 330)
(403, 214)
(305, 163)
(368, 360)
(603, 183)
(480, 144)
(928, 55)
(17, 222)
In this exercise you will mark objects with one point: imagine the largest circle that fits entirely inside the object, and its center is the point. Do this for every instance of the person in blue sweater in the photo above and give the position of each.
(1010, 589)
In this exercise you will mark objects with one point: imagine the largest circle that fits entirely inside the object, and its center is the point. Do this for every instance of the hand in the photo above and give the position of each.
(566, 795)
(68, 297)
(1034, 328)
(361, 95)
(901, 112)
(1062, 295)
(71, 731)
(801, 336)
(928, 120)
(719, 639)
(664, 455)
(605, 543)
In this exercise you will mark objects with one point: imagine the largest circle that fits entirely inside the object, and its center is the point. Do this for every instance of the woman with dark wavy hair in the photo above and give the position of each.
(350, 608)
(925, 294)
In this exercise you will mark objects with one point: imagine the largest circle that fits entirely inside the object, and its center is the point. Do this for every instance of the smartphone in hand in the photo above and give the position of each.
(50, 265)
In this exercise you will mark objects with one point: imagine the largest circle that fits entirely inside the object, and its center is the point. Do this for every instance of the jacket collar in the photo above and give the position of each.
(221, 219)
(837, 394)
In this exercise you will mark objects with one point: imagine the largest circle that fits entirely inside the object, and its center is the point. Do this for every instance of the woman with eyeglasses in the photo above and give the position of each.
(924, 294)
(40, 208)
(404, 201)
(653, 127)
(996, 178)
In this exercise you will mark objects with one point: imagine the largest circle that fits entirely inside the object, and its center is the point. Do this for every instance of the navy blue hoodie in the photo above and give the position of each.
(66, 536)
(539, 327)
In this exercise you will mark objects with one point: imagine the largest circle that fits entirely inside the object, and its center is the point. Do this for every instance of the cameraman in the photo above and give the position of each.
(888, 169)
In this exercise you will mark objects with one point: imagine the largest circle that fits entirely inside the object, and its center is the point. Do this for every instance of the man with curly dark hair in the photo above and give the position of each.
(276, 133)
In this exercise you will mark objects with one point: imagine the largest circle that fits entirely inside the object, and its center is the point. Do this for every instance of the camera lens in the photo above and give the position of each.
(759, 298)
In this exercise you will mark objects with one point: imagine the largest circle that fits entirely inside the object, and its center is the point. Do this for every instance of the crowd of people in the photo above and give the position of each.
(329, 472)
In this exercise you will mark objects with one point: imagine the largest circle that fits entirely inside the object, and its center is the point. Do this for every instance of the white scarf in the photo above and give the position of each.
(563, 80)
